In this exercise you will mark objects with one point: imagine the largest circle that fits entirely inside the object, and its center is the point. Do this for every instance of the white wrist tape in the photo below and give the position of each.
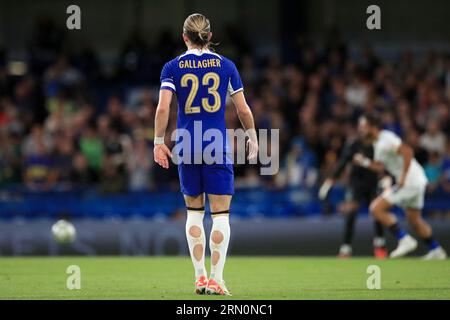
(158, 140)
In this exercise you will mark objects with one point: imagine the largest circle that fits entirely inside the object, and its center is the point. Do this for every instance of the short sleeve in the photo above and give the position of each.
(392, 142)
(167, 78)
(235, 84)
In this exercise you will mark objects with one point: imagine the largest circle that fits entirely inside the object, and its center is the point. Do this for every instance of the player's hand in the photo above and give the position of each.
(361, 160)
(325, 188)
(358, 158)
(161, 155)
(385, 183)
(252, 147)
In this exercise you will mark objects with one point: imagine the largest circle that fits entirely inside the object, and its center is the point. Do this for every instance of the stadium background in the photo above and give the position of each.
(77, 111)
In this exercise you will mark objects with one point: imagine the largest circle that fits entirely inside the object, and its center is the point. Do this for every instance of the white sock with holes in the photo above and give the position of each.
(220, 227)
(195, 219)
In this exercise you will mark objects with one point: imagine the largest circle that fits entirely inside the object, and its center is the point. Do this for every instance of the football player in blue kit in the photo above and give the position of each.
(201, 80)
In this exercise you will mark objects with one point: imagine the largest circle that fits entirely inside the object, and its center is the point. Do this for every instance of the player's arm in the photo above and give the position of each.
(344, 159)
(161, 153)
(407, 154)
(346, 156)
(360, 160)
(246, 117)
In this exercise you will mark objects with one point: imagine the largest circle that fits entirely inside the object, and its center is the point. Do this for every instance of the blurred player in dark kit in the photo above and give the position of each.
(362, 189)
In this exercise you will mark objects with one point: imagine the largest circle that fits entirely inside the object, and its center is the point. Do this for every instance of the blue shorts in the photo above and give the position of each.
(206, 178)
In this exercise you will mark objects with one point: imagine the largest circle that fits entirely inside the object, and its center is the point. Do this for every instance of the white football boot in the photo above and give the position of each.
(345, 251)
(406, 245)
(436, 254)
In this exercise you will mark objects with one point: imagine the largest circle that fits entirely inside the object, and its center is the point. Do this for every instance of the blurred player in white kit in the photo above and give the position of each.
(392, 155)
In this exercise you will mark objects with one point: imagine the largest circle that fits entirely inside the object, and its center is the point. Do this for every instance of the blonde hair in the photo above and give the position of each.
(197, 28)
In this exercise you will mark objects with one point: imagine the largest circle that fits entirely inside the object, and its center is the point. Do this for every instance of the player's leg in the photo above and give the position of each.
(379, 242)
(424, 231)
(379, 209)
(218, 181)
(220, 234)
(195, 235)
(350, 210)
(192, 189)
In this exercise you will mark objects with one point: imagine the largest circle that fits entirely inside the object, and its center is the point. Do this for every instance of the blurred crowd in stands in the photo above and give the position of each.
(66, 123)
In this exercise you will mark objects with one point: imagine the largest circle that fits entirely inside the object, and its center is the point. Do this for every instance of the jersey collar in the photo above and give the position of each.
(199, 52)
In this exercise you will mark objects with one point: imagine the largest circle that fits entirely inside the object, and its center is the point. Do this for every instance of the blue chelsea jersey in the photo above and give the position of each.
(201, 80)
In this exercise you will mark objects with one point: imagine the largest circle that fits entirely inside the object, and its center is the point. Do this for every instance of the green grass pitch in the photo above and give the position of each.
(247, 278)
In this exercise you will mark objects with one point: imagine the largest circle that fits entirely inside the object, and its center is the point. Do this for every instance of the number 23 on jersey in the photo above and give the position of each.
(212, 81)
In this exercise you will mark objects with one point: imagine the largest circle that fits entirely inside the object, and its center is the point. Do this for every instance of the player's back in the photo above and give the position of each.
(201, 80)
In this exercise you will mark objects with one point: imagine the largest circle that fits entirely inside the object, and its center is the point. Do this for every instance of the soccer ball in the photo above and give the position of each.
(63, 231)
